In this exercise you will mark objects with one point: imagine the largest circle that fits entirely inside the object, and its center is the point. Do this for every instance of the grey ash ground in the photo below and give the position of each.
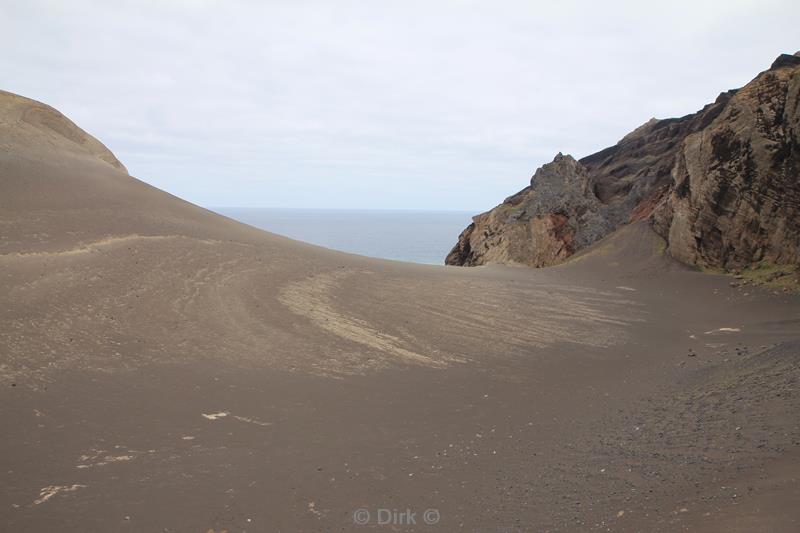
(166, 369)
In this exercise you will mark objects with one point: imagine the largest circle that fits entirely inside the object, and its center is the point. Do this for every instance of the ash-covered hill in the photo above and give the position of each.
(163, 368)
(721, 186)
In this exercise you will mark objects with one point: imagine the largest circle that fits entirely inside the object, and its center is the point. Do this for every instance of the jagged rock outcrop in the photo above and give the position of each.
(720, 185)
(540, 225)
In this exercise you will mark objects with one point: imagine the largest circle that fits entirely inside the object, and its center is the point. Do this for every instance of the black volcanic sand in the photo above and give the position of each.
(163, 368)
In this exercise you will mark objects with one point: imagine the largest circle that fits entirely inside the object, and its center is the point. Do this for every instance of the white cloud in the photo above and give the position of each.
(375, 104)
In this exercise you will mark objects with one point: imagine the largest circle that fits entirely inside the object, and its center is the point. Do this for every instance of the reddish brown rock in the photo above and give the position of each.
(541, 225)
(735, 199)
(720, 185)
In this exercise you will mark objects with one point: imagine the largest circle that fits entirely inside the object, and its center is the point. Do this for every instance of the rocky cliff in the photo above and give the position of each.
(720, 185)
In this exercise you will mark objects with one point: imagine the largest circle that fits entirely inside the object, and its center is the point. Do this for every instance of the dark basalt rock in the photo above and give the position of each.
(786, 60)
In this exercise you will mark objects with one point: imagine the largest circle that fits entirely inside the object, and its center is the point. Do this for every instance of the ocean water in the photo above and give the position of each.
(415, 236)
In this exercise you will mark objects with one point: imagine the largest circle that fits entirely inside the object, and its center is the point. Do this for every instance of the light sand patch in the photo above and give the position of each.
(223, 414)
(527, 315)
(215, 416)
(311, 298)
(312, 508)
(98, 245)
(51, 490)
(102, 458)
(723, 330)
(251, 421)
(107, 460)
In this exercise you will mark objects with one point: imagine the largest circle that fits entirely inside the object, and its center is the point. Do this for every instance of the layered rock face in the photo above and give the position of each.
(720, 185)
(735, 199)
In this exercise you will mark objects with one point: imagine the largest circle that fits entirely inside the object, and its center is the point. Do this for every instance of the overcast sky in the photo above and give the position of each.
(375, 104)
